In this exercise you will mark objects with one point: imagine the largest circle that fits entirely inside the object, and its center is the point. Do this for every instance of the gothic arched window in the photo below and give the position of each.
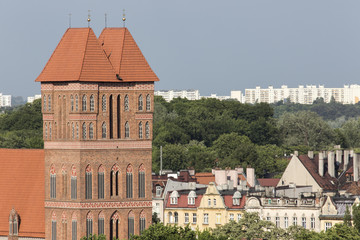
(92, 103)
(52, 182)
(91, 131)
(141, 181)
(127, 130)
(140, 107)
(147, 130)
(148, 101)
(140, 130)
(72, 102)
(103, 103)
(126, 103)
(84, 131)
(76, 103)
(84, 103)
(103, 130)
(129, 182)
(88, 183)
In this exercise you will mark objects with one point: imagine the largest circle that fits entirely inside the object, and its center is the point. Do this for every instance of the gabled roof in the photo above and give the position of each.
(312, 165)
(125, 56)
(22, 188)
(80, 56)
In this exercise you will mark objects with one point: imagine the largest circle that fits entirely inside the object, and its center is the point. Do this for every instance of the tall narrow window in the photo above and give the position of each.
(46, 131)
(89, 224)
(64, 182)
(64, 226)
(77, 131)
(140, 130)
(129, 182)
(13, 223)
(72, 131)
(140, 105)
(91, 131)
(141, 181)
(101, 224)
(72, 103)
(114, 180)
(127, 130)
(84, 131)
(101, 182)
(147, 130)
(148, 102)
(88, 183)
(50, 131)
(111, 117)
(53, 227)
(44, 103)
(92, 103)
(52, 182)
(49, 103)
(118, 116)
(176, 217)
(114, 226)
(130, 224)
(84, 103)
(74, 229)
(76, 103)
(73, 183)
(103, 103)
(126, 103)
(286, 222)
(142, 222)
(103, 130)
(312, 225)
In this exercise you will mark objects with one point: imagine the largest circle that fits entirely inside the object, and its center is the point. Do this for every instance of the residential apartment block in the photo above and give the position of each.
(5, 100)
(32, 98)
(169, 95)
(349, 94)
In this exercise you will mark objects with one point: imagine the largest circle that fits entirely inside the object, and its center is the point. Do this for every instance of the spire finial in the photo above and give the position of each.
(124, 18)
(88, 19)
(69, 20)
(105, 20)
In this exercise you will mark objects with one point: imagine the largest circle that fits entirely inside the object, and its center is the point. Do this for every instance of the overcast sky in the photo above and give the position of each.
(213, 46)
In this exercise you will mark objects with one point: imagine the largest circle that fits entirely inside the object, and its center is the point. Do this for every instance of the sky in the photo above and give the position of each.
(212, 46)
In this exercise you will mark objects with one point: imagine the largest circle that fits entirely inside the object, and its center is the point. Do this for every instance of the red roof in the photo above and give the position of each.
(204, 178)
(80, 56)
(268, 182)
(183, 201)
(125, 56)
(228, 200)
(22, 188)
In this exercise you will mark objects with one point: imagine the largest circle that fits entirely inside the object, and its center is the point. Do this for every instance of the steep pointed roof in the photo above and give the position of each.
(78, 57)
(125, 56)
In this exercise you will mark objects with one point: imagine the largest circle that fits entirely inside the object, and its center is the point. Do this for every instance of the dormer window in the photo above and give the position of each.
(174, 197)
(13, 223)
(158, 191)
(191, 198)
(236, 198)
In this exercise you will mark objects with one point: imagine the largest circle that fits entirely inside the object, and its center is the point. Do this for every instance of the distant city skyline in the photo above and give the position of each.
(207, 45)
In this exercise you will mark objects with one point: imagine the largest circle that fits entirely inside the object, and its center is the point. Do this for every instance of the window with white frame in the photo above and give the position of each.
(277, 221)
(286, 222)
(176, 217)
(158, 191)
(238, 217)
(186, 216)
(194, 218)
(174, 197)
(170, 217)
(209, 202)
(206, 218)
(328, 225)
(312, 223)
(303, 222)
(218, 218)
(214, 201)
(268, 218)
(236, 198)
(231, 218)
(294, 221)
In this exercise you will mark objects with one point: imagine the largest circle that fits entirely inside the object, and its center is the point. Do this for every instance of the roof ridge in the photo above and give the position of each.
(86, 46)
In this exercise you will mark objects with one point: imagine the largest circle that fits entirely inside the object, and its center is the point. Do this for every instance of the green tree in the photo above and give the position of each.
(351, 133)
(341, 232)
(95, 237)
(356, 216)
(161, 232)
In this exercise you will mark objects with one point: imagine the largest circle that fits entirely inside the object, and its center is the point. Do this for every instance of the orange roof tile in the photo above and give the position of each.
(125, 56)
(22, 188)
(204, 178)
(78, 57)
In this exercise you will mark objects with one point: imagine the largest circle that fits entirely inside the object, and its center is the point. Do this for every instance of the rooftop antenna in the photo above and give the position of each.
(124, 18)
(69, 20)
(88, 19)
(105, 20)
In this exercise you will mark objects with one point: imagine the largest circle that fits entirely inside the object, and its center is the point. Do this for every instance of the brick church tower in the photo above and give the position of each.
(97, 96)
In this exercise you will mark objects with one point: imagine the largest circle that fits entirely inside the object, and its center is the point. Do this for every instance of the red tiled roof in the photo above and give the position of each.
(268, 182)
(125, 56)
(183, 202)
(312, 165)
(228, 199)
(204, 178)
(22, 188)
(80, 56)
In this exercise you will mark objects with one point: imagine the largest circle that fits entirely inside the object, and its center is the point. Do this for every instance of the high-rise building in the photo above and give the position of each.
(97, 104)
(169, 95)
(5, 100)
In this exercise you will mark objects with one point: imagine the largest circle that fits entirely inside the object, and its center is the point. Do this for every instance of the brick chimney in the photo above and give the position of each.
(331, 164)
(321, 164)
(339, 154)
(346, 159)
(250, 176)
(311, 154)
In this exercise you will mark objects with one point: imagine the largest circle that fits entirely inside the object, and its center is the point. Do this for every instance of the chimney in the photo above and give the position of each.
(296, 153)
(331, 164)
(250, 176)
(339, 156)
(356, 166)
(321, 164)
(346, 159)
(311, 154)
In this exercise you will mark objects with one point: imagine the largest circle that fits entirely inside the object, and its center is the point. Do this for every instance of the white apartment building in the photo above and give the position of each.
(349, 94)
(169, 95)
(32, 98)
(5, 100)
